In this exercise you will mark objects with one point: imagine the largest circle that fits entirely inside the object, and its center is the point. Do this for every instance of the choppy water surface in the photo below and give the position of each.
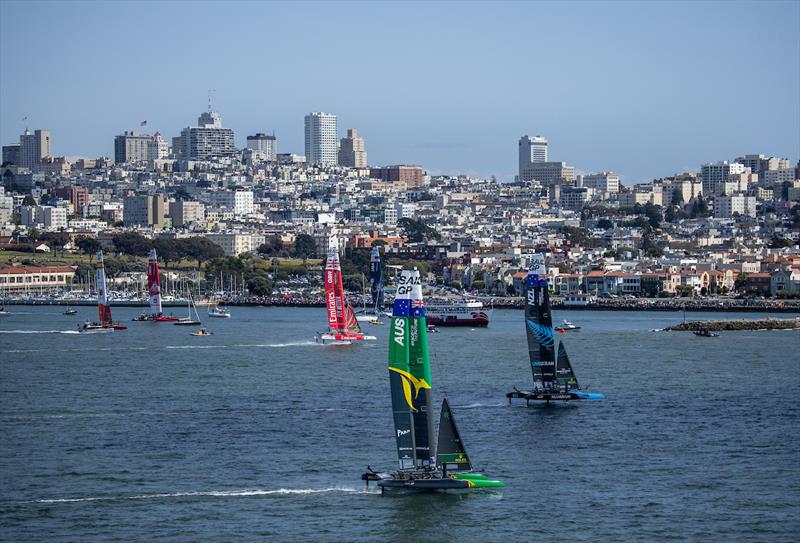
(257, 432)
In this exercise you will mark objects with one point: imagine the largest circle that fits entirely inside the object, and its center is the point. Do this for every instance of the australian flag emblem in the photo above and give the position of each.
(401, 308)
(417, 308)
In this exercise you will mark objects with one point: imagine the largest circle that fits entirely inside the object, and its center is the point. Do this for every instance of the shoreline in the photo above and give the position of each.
(627, 305)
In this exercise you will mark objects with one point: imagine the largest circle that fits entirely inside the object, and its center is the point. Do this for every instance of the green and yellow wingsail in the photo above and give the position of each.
(410, 375)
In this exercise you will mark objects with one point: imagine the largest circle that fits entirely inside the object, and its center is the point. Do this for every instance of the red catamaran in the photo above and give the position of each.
(343, 327)
(103, 303)
(154, 291)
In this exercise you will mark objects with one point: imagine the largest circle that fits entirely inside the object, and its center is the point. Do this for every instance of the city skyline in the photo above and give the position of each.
(640, 113)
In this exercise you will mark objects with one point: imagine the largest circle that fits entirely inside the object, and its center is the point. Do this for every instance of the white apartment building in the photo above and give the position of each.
(264, 144)
(132, 147)
(716, 173)
(602, 182)
(390, 216)
(232, 243)
(157, 148)
(726, 206)
(240, 202)
(47, 217)
(206, 140)
(320, 138)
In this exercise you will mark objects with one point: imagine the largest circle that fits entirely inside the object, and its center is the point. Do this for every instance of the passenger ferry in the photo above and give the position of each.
(449, 313)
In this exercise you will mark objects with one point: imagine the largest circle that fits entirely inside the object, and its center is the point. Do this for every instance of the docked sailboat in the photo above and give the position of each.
(422, 468)
(154, 313)
(553, 376)
(343, 327)
(103, 303)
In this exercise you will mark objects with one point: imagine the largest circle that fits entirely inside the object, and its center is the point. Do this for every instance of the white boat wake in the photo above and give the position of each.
(38, 331)
(213, 494)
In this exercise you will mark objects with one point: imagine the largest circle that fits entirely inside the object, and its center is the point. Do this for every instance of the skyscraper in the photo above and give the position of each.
(321, 138)
(33, 147)
(267, 145)
(351, 150)
(532, 149)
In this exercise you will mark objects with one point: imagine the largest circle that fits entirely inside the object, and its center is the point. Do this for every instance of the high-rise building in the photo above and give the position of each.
(11, 153)
(157, 148)
(531, 149)
(716, 173)
(320, 131)
(726, 207)
(131, 147)
(351, 150)
(144, 211)
(264, 144)
(761, 163)
(602, 182)
(33, 147)
(205, 141)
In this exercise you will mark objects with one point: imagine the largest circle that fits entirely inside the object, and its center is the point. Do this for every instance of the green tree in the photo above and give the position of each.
(578, 236)
(166, 250)
(417, 231)
(55, 240)
(132, 243)
(304, 246)
(87, 245)
(273, 246)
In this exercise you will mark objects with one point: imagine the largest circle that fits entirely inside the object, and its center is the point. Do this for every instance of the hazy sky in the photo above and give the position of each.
(643, 89)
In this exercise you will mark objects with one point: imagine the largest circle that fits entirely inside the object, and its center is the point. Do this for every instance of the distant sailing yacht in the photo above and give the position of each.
(373, 315)
(553, 377)
(422, 468)
(155, 313)
(105, 323)
(192, 318)
(343, 327)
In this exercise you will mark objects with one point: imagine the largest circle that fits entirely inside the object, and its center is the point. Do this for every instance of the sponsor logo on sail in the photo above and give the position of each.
(403, 432)
(399, 332)
(409, 381)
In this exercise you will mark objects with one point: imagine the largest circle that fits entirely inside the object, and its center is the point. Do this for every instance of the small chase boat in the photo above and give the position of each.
(705, 332)
(422, 468)
(553, 376)
(218, 312)
(70, 311)
(202, 332)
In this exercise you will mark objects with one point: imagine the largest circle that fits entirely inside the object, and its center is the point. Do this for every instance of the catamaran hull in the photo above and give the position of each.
(459, 482)
(554, 396)
(342, 339)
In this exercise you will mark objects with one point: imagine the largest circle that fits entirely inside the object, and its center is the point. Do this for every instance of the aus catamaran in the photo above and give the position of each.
(154, 312)
(343, 327)
(105, 323)
(422, 468)
(553, 376)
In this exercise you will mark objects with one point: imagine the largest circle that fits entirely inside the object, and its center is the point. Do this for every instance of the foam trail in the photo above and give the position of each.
(213, 494)
(38, 332)
(477, 405)
(240, 345)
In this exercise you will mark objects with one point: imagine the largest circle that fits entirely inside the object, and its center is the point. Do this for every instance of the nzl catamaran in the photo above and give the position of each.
(553, 377)
(422, 468)
(155, 314)
(343, 327)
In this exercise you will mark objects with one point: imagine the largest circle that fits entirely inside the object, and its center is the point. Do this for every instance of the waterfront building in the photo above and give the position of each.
(33, 147)
(131, 147)
(264, 144)
(19, 279)
(351, 150)
(320, 138)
